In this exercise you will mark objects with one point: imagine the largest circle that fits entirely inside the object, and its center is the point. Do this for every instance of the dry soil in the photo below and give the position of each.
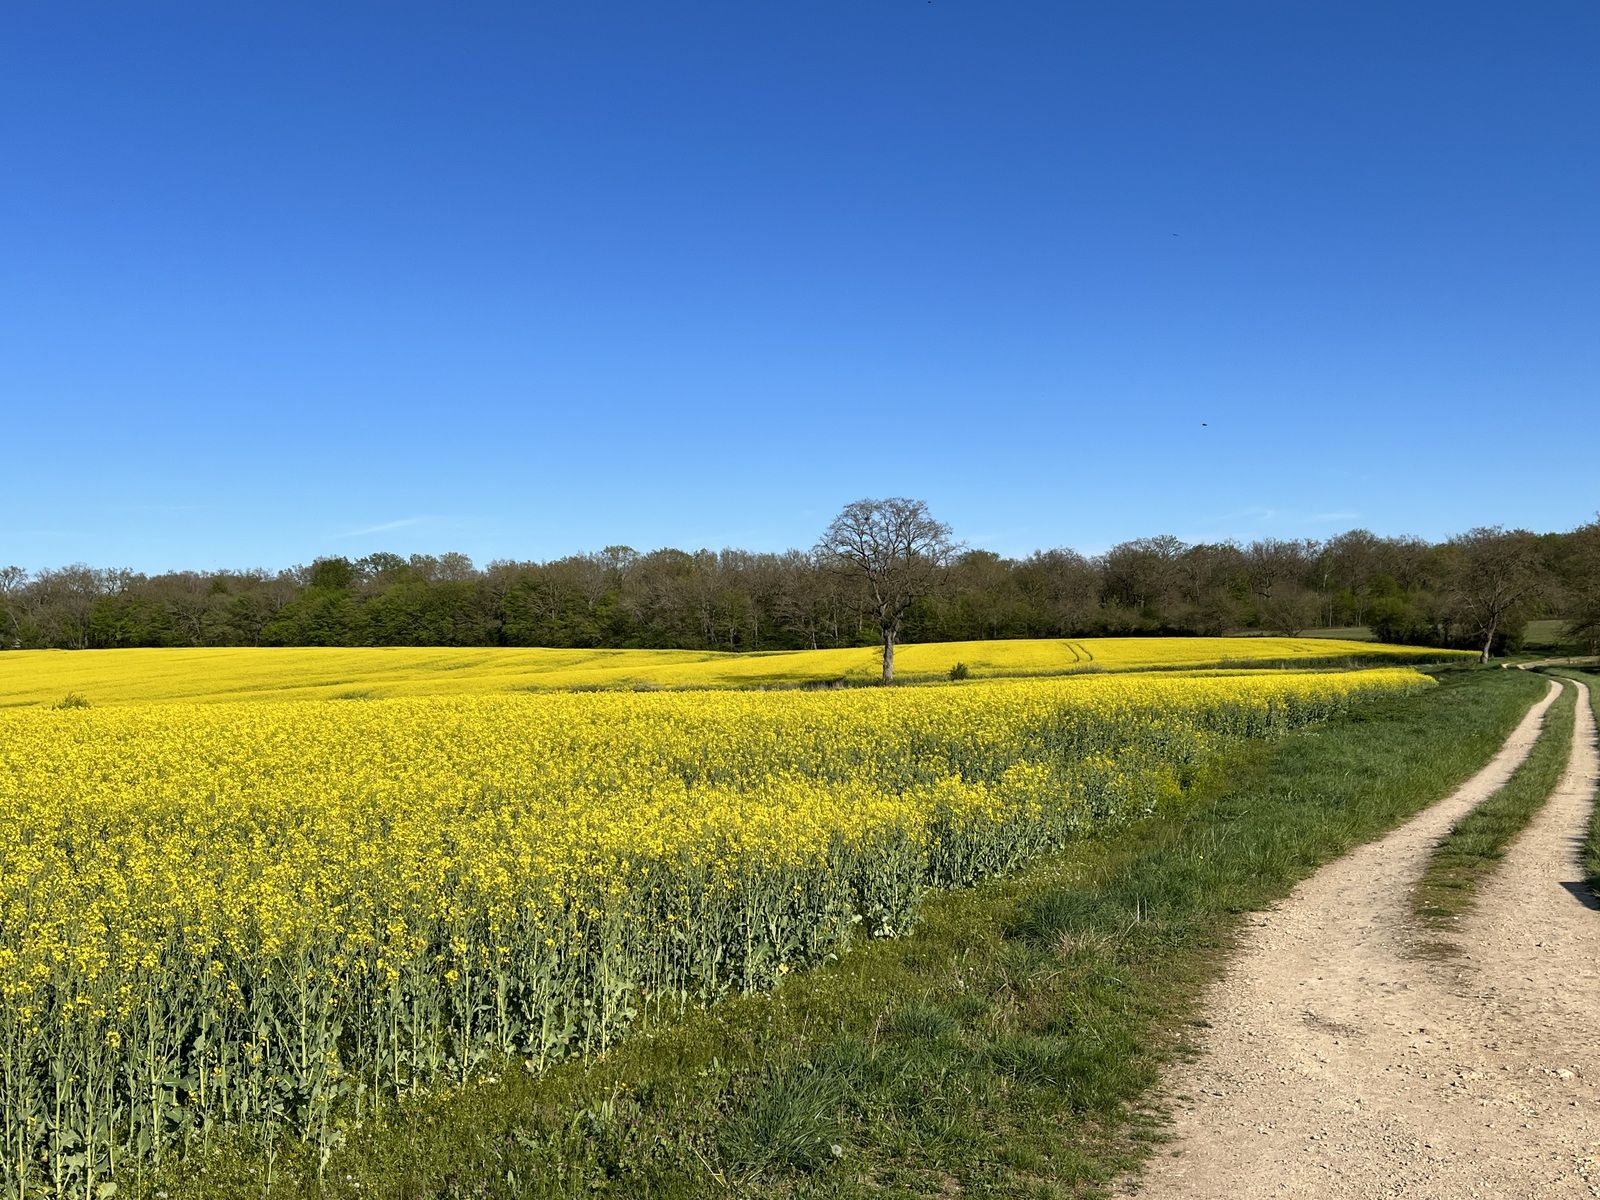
(1340, 1059)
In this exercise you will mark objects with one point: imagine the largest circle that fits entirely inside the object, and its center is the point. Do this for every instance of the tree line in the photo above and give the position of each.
(1474, 590)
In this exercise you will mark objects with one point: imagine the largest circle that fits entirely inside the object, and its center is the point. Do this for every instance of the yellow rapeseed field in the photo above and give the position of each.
(269, 917)
(122, 676)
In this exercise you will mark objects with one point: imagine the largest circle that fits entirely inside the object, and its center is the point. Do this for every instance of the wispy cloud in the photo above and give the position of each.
(1256, 512)
(387, 526)
(159, 508)
(1282, 516)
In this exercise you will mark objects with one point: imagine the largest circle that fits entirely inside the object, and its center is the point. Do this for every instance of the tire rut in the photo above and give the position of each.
(1339, 1062)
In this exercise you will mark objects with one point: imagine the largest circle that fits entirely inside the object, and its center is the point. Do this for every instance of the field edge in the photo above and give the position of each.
(946, 1057)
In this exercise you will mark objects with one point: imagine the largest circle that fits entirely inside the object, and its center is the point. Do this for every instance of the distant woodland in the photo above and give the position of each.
(1471, 590)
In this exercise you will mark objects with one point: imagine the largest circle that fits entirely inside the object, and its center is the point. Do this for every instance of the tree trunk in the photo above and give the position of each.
(888, 655)
(1488, 642)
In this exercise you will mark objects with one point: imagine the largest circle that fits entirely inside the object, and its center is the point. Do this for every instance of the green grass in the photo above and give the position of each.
(1591, 850)
(1472, 849)
(1547, 634)
(1006, 1047)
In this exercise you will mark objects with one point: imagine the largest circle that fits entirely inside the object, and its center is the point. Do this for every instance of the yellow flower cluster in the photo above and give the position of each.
(268, 915)
(104, 677)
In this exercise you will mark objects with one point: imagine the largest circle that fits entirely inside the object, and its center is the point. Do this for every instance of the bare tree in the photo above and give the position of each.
(1277, 570)
(1212, 593)
(1583, 584)
(12, 581)
(1063, 589)
(1143, 575)
(1348, 566)
(64, 600)
(802, 603)
(897, 550)
(192, 599)
(1491, 572)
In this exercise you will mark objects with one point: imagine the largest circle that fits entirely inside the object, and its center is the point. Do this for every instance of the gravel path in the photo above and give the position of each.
(1338, 1062)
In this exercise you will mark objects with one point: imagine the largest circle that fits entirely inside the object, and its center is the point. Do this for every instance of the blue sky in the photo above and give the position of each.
(283, 280)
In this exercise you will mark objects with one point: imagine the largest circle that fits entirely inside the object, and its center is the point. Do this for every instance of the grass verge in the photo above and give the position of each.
(1478, 841)
(1004, 1048)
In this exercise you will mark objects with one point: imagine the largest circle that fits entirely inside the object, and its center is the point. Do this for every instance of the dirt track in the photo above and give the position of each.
(1340, 1063)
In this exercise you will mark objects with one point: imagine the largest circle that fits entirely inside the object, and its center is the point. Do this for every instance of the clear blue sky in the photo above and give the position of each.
(288, 279)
